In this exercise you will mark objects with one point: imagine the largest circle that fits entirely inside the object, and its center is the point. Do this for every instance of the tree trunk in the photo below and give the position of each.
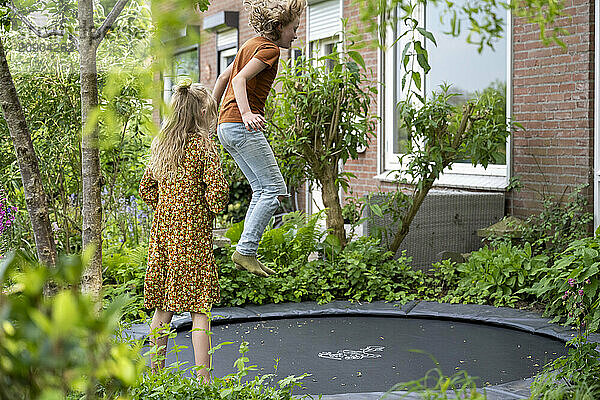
(408, 217)
(331, 200)
(35, 195)
(91, 282)
(448, 159)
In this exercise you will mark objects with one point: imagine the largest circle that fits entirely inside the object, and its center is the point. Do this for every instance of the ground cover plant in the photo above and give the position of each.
(361, 271)
(576, 375)
(173, 382)
(492, 275)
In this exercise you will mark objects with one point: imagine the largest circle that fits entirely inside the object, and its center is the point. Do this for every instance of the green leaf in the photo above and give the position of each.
(427, 34)
(422, 58)
(405, 57)
(376, 209)
(358, 58)
(234, 233)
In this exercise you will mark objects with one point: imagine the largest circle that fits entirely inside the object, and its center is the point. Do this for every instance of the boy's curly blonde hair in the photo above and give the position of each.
(268, 16)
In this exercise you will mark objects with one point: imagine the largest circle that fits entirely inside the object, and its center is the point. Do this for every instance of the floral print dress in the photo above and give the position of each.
(182, 273)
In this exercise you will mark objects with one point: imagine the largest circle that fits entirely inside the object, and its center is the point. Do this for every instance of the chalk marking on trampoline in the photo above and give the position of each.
(346, 354)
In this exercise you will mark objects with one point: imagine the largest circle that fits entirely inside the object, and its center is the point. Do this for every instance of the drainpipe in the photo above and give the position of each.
(596, 178)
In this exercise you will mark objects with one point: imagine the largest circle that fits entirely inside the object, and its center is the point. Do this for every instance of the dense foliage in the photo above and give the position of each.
(492, 275)
(57, 346)
(50, 346)
(172, 383)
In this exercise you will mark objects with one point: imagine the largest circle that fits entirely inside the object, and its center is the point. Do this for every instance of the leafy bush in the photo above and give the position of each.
(240, 192)
(294, 240)
(559, 223)
(50, 346)
(171, 384)
(576, 375)
(570, 287)
(551, 385)
(491, 275)
(362, 271)
(52, 104)
(123, 274)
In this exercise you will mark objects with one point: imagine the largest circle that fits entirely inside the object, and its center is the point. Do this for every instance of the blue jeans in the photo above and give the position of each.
(253, 154)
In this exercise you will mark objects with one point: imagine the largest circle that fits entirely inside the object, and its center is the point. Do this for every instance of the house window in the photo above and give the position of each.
(226, 57)
(323, 48)
(184, 65)
(227, 46)
(457, 63)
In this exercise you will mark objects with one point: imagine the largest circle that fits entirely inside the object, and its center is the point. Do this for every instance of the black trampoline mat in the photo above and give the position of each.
(351, 354)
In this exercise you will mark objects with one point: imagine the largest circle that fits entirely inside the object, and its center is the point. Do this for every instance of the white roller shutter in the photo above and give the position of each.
(227, 39)
(324, 19)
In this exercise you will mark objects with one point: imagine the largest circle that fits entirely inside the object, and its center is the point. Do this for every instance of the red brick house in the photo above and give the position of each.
(549, 90)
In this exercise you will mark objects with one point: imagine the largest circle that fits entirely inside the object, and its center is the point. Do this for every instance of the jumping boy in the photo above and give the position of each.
(248, 81)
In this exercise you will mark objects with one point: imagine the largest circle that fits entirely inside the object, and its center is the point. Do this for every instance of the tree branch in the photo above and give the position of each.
(110, 20)
(36, 30)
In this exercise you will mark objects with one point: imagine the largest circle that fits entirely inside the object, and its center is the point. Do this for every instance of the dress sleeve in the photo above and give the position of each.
(217, 188)
(149, 189)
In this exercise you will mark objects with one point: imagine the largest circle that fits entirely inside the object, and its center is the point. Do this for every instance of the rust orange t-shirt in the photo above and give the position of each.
(258, 88)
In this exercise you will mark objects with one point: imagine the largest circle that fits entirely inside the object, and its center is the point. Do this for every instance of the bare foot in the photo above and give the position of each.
(204, 379)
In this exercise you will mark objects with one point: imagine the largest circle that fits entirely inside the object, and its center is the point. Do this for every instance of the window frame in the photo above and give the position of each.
(462, 175)
(228, 52)
(170, 79)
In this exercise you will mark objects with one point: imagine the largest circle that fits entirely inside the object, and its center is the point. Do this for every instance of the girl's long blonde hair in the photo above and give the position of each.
(194, 112)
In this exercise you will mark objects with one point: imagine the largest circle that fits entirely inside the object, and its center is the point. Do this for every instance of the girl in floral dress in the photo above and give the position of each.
(185, 186)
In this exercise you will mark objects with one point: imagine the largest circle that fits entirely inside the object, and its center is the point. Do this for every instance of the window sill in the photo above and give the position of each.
(496, 183)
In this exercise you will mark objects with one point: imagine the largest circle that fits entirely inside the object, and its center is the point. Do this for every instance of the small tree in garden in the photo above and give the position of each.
(321, 116)
(440, 133)
(28, 163)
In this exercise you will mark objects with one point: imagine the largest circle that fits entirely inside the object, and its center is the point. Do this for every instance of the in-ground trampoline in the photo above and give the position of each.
(366, 349)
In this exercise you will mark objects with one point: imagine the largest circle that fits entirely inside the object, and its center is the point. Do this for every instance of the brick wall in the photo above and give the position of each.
(553, 93)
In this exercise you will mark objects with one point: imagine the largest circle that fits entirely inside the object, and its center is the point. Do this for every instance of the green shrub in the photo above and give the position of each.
(547, 386)
(51, 346)
(172, 384)
(559, 223)
(570, 287)
(123, 274)
(575, 376)
(362, 271)
(492, 275)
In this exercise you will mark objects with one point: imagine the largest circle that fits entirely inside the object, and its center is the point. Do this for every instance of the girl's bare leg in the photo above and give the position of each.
(159, 320)
(201, 344)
